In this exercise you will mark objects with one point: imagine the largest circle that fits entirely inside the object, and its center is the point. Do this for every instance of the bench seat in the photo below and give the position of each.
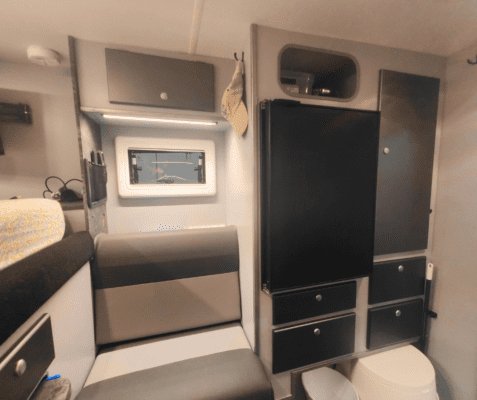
(174, 296)
(214, 363)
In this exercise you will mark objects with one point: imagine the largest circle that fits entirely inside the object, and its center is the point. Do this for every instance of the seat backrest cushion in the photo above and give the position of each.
(149, 284)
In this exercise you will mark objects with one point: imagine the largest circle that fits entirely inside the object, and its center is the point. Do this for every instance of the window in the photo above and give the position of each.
(166, 167)
(151, 167)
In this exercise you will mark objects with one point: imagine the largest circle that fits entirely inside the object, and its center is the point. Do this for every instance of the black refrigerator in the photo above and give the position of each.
(318, 193)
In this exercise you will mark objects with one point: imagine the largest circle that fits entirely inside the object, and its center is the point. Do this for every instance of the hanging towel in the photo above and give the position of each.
(233, 108)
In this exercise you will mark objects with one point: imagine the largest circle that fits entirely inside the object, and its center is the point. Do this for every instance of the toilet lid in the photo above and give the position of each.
(404, 368)
(328, 384)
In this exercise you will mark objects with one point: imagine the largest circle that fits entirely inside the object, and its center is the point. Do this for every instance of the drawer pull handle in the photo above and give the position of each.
(20, 367)
(316, 331)
(386, 150)
(164, 96)
(400, 268)
(319, 297)
(398, 313)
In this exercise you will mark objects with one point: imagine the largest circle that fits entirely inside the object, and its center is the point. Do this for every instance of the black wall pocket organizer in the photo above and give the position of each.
(96, 178)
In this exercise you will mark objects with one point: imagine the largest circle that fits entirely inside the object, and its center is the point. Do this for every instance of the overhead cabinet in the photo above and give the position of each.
(408, 106)
(148, 80)
(318, 193)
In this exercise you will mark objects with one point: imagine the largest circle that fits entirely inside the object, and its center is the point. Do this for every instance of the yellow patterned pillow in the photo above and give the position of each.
(27, 226)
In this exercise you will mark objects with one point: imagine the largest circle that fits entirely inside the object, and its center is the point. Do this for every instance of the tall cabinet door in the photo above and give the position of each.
(408, 105)
(319, 167)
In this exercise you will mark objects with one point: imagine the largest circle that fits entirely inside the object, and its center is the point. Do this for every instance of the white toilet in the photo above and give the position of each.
(399, 374)
(327, 384)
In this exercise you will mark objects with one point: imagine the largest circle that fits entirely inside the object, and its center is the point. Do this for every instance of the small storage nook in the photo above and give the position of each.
(308, 72)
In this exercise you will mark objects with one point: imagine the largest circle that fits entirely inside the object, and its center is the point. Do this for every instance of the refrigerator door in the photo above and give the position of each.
(318, 177)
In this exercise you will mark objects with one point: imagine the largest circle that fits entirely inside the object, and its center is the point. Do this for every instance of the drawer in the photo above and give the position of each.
(394, 280)
(310, 303)
(393, 324)
(313, 342)
(37, 350)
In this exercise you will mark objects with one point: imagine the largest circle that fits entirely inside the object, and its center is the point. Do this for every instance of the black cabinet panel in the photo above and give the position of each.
(394, 280)
(310, 343)
(408, 105)
(319, 169)
(313, 302)
(140, 79)
(392, 324)
(37, 349)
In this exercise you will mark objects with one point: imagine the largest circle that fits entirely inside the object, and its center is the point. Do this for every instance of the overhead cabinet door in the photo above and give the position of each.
(408, 105)
(318, 193)
(147, 80)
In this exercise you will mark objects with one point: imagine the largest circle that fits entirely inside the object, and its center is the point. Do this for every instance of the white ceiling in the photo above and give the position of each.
(440, 27)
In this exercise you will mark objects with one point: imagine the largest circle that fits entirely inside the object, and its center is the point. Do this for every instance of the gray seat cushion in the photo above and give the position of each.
(230, 375)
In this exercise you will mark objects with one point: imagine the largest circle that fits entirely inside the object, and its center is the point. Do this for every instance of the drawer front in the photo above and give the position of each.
(314, 342)
(393, 324)
(396, 280)
(313, 302)
(37, 350)
(147, 80)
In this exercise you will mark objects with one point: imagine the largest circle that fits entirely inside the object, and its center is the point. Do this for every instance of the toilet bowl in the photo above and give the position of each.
(399, 374)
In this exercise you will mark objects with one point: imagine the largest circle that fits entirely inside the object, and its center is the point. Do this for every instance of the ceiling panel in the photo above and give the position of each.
(146, 23)
(439, 27)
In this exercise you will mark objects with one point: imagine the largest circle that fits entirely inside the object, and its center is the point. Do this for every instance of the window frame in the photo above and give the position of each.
(126, 189)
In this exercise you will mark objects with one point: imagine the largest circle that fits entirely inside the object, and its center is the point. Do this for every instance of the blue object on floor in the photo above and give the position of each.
(53, 377)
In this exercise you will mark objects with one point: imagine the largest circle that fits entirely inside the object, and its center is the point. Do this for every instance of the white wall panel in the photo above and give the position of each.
(153, 214)
(49, 146)
(453, 335)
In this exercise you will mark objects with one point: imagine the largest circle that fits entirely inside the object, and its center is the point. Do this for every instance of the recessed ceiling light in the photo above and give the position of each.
(149, 119)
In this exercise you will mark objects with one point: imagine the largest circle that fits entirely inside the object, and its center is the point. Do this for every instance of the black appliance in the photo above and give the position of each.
(318, 190)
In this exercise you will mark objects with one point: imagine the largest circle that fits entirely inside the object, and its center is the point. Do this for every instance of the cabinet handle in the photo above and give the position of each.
(386, 150)
(398, 313)
(164, 96)
(319, 297)
(316, 331)
(20, 367)
(400, 268)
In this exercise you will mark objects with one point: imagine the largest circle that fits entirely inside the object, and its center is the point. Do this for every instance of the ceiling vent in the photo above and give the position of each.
(43, 56)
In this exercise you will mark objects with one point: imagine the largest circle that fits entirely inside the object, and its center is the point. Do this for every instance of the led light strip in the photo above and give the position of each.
(146, 119)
